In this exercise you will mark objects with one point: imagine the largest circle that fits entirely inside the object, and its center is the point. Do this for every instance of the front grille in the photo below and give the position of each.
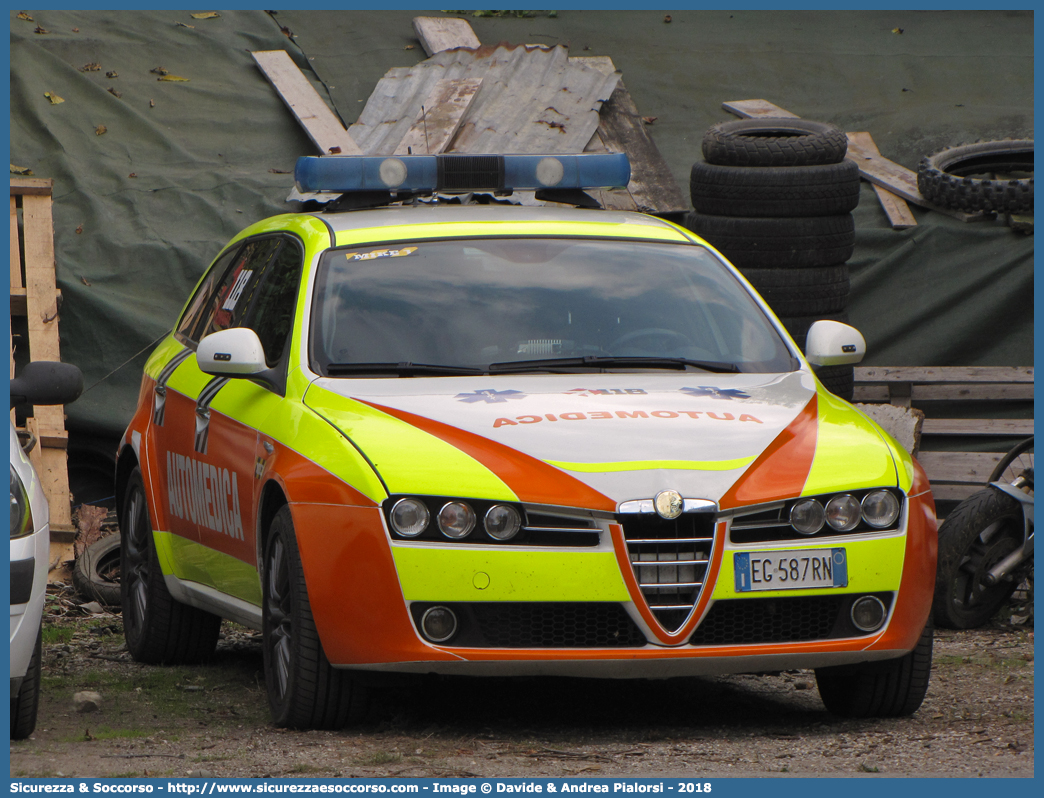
(779, 620)
(540, 625)
(670, 560)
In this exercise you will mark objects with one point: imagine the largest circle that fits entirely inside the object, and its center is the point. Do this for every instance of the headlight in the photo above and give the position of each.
(409, 517)
(880, 508)
(502, 522)
(807, 516)
(843, 512)
(456, 519)
(21, 512)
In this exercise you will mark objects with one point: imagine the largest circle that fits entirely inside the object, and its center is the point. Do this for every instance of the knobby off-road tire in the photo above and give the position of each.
(946, 178)
(979, 533)
(802, 292)
(96, 572)
(779, 242)
(25, 703)
(774, 142)
(774, 191)
(886, 689)
(158, 629)
(304, 690)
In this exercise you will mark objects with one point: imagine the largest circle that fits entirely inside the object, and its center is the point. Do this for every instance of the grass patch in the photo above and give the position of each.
(105, 733)
(57, 635)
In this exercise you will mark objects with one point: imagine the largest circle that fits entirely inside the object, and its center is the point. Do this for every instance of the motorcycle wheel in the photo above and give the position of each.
(983, 529)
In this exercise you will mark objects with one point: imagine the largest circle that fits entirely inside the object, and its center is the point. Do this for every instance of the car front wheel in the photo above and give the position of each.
(25, 703)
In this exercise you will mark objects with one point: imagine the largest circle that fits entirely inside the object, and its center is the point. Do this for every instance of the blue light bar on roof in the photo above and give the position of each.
(420, 174)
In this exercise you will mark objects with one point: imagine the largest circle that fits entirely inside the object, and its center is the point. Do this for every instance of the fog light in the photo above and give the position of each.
(409, 517)
(868, 613)
(456, 519)
(807, 516)
(502, 522)
(880, 508)
(439, 624)
(843, 512)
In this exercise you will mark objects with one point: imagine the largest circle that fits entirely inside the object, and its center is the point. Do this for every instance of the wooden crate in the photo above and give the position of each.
(35, 301)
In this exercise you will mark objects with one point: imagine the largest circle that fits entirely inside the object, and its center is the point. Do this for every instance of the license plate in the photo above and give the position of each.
(790, 570)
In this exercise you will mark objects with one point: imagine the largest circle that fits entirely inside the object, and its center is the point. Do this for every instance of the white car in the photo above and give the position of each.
(39, 383)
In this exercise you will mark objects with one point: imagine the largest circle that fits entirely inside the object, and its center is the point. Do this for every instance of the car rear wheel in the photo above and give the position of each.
(886, 689)
(25, 703)
(157, 628)
(304, 690)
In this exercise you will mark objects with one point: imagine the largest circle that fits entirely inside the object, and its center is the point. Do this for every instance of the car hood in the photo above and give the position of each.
(602, 439)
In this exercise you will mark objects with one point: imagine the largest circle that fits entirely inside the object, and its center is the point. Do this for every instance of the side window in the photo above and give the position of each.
(271, 314)
(235, 293)
(201, 301)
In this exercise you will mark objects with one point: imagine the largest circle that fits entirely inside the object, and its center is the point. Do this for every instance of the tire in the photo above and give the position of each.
(774, 191)
(774, 142)
(982, 530)
(887, 689)
(158, 629)
(777, 243)
(839, 380)
(304, 690)
(802, 292)
(946, 178)
(96, 573)
(1018, 462)
(25, 704)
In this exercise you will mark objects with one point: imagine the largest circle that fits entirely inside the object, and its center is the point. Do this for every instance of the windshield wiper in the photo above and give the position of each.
(609, 361)
(406, 369)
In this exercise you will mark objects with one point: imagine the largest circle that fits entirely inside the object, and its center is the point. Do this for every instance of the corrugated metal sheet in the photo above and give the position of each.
(532, 100)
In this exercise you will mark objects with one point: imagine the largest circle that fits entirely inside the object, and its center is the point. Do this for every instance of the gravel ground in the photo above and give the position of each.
(212, 721)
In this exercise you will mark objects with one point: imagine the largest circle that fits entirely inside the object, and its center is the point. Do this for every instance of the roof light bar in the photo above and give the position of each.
(425, 174)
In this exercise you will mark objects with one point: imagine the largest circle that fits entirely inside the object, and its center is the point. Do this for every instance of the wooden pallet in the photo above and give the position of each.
(955, 475)
(35, 300)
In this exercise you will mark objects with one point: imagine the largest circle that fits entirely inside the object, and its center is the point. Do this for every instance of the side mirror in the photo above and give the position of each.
(831, 343)
(46, 382)
(236, 352)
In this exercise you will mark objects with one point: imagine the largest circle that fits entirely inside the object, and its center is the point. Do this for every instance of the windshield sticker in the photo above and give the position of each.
(716, 393)
(639, 414)
(489, 396)
(381, 253)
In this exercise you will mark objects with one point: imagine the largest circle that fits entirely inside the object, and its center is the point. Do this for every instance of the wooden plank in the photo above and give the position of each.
(960, 467)
(943, 374)
(17, 281)
(971, 392)
(997, 427)
(898, 212)
(872, 167)
(323, 127)
(953, 492)
(32, 185)
(444, 33)
(440, 118)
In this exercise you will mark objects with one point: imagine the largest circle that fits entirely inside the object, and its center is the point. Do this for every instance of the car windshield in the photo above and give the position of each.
(528, 303)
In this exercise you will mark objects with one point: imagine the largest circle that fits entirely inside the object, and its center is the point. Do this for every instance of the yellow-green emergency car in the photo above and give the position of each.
(486, 438)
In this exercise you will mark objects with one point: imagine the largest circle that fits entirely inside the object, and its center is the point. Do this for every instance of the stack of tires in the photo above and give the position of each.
(775, 196)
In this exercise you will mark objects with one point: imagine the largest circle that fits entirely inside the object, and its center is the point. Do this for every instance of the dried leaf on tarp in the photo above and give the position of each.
(114, 93)
(667, 18)
(91, 67)
(101, 130)
(79, 229)
(40, 30)
(26, 17)
(174, 79)
(184, 25)
(281, 171)
(75, 30)
(54, 98)
(160, 70)
(83, 280)
(897, 30)
(152, 103)
(649, 119)
(113, 74)
(206, 15)
(133, 174)
(20, 170)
